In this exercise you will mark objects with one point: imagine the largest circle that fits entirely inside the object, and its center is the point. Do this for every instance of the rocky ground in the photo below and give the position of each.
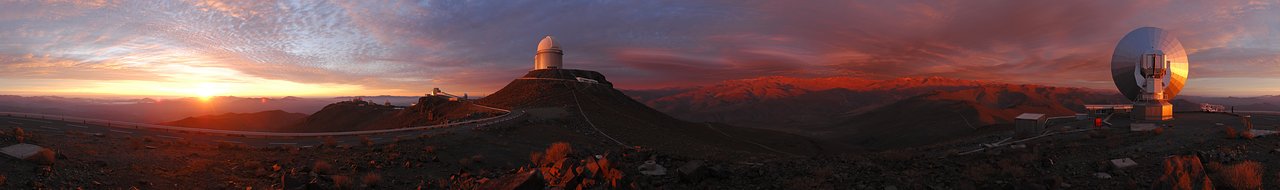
(491, 157)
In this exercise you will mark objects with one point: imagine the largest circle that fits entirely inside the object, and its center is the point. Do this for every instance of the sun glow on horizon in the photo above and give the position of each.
(186, 81)
(206, 91)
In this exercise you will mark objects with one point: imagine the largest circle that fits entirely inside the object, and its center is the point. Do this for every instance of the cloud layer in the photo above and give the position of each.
(408, 47)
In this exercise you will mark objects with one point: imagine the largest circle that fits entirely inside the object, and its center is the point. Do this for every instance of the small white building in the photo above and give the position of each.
(1029, 124)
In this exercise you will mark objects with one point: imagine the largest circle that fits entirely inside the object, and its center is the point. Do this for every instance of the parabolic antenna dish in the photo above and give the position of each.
(1126, 60)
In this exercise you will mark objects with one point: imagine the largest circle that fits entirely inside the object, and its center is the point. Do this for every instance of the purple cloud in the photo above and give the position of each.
(408, 47)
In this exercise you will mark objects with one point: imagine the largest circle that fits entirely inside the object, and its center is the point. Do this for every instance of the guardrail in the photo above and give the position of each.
(1259, 112)
(509, 116)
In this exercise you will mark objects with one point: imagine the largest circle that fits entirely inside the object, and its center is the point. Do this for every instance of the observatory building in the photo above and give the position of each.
(549, 55)
(1149, 67)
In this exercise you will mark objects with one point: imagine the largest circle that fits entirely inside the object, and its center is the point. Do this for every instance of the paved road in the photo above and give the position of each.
(37, 125)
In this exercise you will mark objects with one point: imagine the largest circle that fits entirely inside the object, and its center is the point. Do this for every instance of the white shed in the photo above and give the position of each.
(1029, 124)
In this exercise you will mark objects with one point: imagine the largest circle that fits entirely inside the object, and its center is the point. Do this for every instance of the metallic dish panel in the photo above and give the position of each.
(1124, 61)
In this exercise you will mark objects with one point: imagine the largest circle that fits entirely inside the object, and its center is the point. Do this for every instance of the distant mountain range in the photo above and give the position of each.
(871, 113)
(346, 115)
(1257, 103)
(148, 110)
(773, 101)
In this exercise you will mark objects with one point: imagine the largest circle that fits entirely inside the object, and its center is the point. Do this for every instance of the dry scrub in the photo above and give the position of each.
(372, 179)
(1245, 175)
(322, 167)
(45, 157)
(341, 182)
(1183, 172)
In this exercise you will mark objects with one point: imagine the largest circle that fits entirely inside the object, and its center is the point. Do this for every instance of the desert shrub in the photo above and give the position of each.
(464, 162)
(1183, 172)
(341, 182)
(1245, 175)
(322, 167)
(252, 165)
(556, 153)
(329, 142)
(44, 157)
(393, 156)
(429, 149)
(1231, 133)
(19, 134)
(372, 179)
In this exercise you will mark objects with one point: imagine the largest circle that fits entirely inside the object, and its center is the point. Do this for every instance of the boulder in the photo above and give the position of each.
(526, 180)
(692, 171)
(1123, 163)
(651, 168)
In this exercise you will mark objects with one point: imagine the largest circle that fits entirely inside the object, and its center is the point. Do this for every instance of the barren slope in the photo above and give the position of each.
(274, 120)
(634, 124)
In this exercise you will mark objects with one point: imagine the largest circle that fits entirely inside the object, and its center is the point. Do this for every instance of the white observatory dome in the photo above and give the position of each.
(549, 55)
(548, 43)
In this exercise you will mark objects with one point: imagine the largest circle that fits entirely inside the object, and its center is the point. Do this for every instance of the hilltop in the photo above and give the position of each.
(557, 95)
(274, 120)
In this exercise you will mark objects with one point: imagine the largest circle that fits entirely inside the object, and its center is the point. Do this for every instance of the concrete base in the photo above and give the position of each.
(1262, 133)
(1123, 163)
(1157, 111)
(1137, 127)
(21, 151)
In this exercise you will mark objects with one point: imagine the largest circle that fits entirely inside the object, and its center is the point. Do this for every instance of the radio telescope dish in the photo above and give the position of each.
(1138, 46)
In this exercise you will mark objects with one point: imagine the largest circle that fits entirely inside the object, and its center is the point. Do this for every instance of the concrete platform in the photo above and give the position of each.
(1262, 133)
(1136, 127)
(1123, 163)
(21, 151)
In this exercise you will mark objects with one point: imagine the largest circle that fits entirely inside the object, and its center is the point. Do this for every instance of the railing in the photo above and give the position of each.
(509, 116)
(1260, 112)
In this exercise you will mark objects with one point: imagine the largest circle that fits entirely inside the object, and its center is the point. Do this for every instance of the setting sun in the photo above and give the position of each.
(205, 91)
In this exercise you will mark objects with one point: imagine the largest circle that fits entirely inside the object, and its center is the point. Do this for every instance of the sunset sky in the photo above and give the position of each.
(312, 48)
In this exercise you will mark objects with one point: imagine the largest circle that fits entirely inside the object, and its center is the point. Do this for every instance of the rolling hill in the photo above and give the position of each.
(797, 104)
(608, 115)
(274, 120)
